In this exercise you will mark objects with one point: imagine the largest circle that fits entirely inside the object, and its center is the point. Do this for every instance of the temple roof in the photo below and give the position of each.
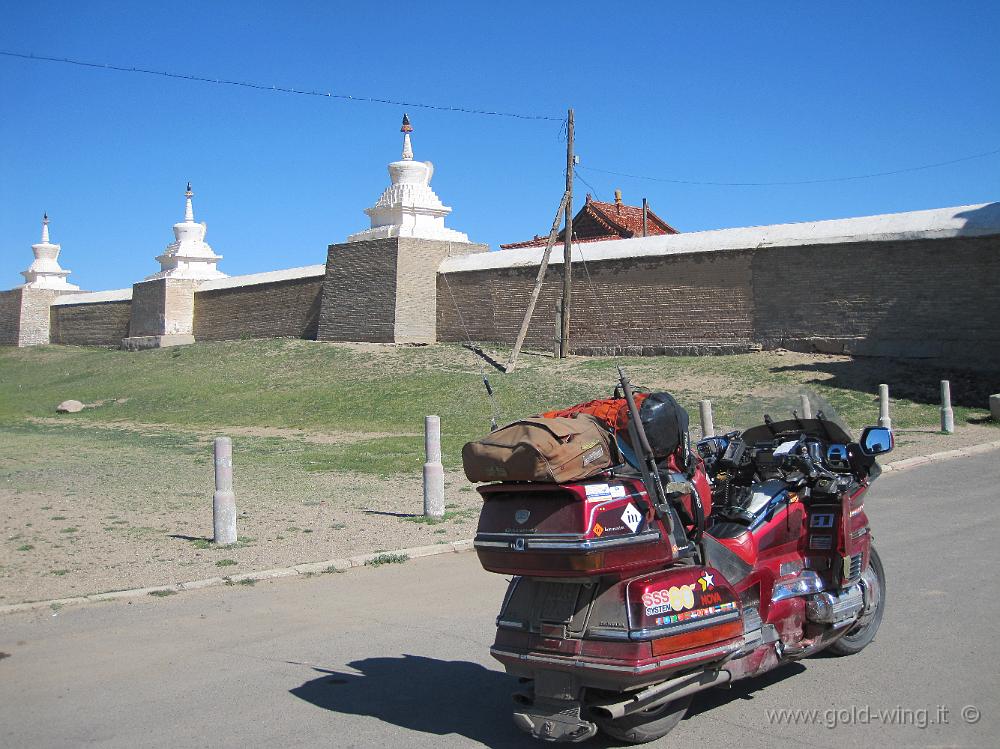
(598, 221)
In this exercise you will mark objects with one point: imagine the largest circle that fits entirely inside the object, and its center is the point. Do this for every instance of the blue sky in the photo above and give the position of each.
(721, 92)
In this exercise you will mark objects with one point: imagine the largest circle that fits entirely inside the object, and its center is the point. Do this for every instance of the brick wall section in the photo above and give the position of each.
(280, 309)
(913, 298)
(148, 304)
(95, 324)
(359, 292)
(35, 317)
(918, 298)
(697, 303)
(416, 278)
(10, 316)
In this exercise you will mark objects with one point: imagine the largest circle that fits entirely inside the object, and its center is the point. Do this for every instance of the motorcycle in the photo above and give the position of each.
(639, 587)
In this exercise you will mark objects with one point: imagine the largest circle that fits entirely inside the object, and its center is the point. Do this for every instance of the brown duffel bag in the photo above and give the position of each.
(557, 450)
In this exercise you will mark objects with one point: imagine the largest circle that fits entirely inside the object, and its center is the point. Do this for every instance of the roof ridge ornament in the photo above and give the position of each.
(45, 228)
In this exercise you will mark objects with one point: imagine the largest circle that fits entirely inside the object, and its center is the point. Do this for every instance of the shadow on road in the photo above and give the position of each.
(423, 694)
(740, 690)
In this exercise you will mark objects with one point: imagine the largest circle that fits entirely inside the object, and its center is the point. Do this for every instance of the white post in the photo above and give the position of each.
(433, 470)
(224, 501)
(707, 425)
(883, 407)
(947, 415)
(807, 411)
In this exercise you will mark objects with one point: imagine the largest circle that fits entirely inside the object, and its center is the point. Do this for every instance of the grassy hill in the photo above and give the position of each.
(370, 400)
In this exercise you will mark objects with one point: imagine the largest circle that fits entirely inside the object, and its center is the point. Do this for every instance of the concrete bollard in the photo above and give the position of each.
(883, 407)
(995, 407)
(707, 424)
(433, 470)
(947, 415)
(807, 410)
(224, 501)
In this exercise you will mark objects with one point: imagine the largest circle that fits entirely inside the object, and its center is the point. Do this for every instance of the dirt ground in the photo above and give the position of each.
(68, 531)
(99, 503)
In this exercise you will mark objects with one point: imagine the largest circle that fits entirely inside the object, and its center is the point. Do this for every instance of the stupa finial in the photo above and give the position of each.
(406, 129)
(45, 228)
(188, 208)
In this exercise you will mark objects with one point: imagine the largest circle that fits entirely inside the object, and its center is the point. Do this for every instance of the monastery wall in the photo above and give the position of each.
(95, 319)
(10, 316)
(922, 284)
(283, 304)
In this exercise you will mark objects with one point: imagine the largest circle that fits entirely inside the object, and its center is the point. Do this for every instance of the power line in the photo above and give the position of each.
(794, 182)
(281, 89)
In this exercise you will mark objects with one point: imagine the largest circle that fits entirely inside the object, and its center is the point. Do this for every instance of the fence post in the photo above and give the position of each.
(433, 470)
(707, 425)
(947, 415)
(883, 407)
(224, 500)
(807, 411)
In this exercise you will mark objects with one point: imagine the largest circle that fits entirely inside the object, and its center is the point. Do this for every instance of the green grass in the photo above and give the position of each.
(450, 514)
(25, 547)
(170, 402)
(162, 593)
(205, 543)
(381, 559)
(226, 563)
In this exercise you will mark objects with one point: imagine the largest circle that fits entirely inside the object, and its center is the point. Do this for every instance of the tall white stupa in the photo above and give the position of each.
(409, 207)
(189, 255)
(45, 272)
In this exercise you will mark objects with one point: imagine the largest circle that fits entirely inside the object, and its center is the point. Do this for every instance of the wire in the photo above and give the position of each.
(576, 173)
(795, 182)
(495, 418)
(281, 89)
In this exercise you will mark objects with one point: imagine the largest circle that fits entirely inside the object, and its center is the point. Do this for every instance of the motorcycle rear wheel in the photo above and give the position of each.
(858, 638)
(646, 725)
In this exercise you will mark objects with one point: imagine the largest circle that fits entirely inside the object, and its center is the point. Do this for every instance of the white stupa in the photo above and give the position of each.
(409, 207)
(45, 272)
(189, 256)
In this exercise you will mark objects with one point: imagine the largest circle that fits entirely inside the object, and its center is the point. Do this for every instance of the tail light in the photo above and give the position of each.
(705, 636)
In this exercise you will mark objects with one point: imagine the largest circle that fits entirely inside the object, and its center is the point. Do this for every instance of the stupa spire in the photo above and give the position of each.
(409, 207)
(189, 255)
(406, 129)
(45, 272)
(188, 207)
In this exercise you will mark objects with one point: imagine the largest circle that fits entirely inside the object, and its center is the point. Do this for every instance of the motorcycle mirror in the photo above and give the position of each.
(876, 440)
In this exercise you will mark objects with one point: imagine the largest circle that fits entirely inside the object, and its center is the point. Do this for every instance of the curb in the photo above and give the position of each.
(340, 565)
(919, 460)
(310, 568)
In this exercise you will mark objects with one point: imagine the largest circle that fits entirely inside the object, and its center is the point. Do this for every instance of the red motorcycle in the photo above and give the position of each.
(680, 569)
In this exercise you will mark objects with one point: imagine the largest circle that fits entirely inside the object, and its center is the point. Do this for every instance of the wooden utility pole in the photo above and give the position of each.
(567, 293)
(526, 322)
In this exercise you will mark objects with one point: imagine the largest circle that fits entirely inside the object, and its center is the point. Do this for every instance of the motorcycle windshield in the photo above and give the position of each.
(787, 417)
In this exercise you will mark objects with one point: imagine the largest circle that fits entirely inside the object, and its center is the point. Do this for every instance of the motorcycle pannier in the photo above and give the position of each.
(542, 449)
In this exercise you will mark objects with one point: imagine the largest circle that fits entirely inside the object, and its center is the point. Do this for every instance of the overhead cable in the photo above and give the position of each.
(792, 182)
(281, 89)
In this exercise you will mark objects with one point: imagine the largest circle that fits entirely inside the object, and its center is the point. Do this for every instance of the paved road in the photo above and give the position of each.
(398, 656)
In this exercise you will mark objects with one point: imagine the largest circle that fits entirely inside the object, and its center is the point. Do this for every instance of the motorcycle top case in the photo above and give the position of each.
(599, 527)
(542, 449)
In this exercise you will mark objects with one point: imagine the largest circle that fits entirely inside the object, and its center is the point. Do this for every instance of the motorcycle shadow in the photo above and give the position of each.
(423, 694)
(741, 690)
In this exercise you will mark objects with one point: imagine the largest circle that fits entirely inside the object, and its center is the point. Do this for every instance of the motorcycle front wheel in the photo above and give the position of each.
(646, 725)
(864, 631)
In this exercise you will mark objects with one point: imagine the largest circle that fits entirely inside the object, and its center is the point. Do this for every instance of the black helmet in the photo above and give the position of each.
(665, 422)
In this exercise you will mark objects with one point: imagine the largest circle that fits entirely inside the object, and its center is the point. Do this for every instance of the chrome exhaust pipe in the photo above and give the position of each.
(658, 694)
